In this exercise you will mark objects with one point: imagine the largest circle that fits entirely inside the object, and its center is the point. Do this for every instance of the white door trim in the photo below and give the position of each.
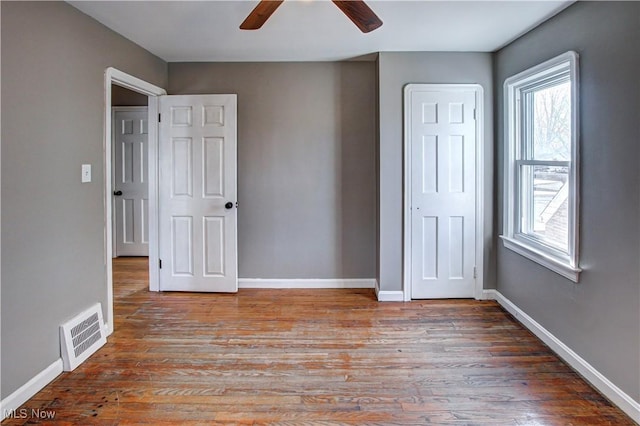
(406, 267)
(117, 77)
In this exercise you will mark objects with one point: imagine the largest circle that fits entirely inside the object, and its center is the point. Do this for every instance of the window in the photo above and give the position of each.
(541, 169)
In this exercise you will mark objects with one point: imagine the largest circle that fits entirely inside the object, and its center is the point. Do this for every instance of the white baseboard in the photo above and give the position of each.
(306, 283)
(390, 296)
(593, 376)
(29, 389)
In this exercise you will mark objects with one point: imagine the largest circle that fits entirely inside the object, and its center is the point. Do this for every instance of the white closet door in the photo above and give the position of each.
(443, 193)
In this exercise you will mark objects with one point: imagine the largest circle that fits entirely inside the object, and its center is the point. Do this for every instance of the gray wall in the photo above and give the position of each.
(53, 62)
(306, 165)
(599, 318)
(395, 71)
(121, 96)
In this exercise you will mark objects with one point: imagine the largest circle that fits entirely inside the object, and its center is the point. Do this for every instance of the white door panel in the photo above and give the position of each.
(198, 226)
(442, 130)
(131, 205)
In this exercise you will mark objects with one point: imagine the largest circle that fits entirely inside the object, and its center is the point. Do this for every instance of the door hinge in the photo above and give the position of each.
(475, 272)
(160, 117)
(160, 263)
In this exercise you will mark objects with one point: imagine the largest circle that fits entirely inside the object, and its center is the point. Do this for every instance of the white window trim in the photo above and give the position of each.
(565, 265)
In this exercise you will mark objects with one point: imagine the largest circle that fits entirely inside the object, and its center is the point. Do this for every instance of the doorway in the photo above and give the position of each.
(117, 78)
(443, 191)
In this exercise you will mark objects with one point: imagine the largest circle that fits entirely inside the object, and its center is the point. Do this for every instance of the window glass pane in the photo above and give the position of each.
(551, 130)
(544, 204)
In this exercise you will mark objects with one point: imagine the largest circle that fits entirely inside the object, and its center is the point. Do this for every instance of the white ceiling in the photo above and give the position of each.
(207, 31)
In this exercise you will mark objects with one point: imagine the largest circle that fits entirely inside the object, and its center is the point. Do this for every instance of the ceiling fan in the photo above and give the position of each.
(356, 10)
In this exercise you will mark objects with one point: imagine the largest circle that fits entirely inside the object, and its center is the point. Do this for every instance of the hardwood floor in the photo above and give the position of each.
(294, 357)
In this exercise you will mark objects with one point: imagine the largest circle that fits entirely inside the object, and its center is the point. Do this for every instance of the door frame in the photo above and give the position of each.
(479, 211)
(115, 109)
(128, 81)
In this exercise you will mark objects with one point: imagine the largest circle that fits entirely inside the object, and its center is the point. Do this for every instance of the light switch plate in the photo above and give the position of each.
(86, 173)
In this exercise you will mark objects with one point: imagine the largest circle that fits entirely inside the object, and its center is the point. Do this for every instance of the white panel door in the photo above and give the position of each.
(442, 130)
(197, 200)
(131, 188)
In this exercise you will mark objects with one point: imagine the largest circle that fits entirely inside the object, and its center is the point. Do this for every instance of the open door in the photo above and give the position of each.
(198, 193)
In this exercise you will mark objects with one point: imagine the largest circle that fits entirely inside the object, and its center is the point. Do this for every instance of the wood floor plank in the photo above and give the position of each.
(315, 357)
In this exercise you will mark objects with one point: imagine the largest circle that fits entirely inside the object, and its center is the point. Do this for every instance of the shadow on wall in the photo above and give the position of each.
(121, 96)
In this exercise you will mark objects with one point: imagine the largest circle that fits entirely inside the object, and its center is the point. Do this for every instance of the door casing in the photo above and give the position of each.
(479, 238)
(119, 78)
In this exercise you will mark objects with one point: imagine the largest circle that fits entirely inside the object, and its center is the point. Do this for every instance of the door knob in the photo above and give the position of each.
(117, 193)
(229, 205)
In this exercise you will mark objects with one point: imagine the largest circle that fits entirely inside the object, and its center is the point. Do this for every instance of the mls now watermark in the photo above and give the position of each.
(29, 413)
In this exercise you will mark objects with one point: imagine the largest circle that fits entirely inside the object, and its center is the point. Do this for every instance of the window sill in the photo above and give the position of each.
(556, 265)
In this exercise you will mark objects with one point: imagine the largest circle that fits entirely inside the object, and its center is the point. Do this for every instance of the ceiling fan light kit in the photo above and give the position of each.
(356, 10)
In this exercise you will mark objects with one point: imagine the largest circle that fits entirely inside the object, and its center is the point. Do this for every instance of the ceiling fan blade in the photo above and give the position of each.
(360, 14)
(260, 14)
